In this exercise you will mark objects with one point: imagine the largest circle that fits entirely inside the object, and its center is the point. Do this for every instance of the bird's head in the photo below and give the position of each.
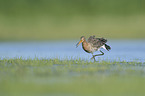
(82, 39)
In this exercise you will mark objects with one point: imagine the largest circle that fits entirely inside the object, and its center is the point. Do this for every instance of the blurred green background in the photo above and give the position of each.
(70, 19)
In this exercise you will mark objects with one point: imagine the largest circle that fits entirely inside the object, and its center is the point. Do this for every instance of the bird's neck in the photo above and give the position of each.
(84, 43)
(85, 46)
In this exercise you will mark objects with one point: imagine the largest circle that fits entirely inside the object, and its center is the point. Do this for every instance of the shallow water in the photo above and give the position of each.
(127, 50)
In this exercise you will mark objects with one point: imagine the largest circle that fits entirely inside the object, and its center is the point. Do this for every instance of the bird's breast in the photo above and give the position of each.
(88, 47)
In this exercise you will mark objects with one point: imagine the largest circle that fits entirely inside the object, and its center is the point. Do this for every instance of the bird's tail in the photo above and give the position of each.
(107, 47)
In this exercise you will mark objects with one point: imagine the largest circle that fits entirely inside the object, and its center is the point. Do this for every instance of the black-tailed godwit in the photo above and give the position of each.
(93, 44)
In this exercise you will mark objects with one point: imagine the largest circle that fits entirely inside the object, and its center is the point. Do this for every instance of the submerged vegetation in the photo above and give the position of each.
(54, 77)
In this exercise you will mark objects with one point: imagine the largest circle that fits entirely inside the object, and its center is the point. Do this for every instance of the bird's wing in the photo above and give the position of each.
(96, 42)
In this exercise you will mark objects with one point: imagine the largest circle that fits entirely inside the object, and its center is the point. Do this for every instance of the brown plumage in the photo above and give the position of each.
(93, 44)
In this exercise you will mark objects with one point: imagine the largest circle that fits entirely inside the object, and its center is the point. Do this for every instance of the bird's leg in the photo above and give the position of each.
(97, 55)
(93, 57)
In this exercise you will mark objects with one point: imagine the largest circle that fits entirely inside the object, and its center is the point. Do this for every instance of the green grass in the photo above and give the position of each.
(54, 77)
(51, 28)
(70, 19)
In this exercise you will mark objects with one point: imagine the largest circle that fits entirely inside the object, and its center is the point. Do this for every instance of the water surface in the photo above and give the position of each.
(128, 50)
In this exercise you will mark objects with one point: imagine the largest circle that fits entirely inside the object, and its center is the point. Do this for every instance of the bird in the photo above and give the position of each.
(93, 44)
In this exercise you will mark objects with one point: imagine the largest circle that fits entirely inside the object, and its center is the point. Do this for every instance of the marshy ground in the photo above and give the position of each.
(56, 77)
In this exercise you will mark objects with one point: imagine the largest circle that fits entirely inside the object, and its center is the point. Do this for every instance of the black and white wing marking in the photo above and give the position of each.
(96, 42)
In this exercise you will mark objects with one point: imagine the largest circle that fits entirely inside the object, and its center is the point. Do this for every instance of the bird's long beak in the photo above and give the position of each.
(79, 43)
